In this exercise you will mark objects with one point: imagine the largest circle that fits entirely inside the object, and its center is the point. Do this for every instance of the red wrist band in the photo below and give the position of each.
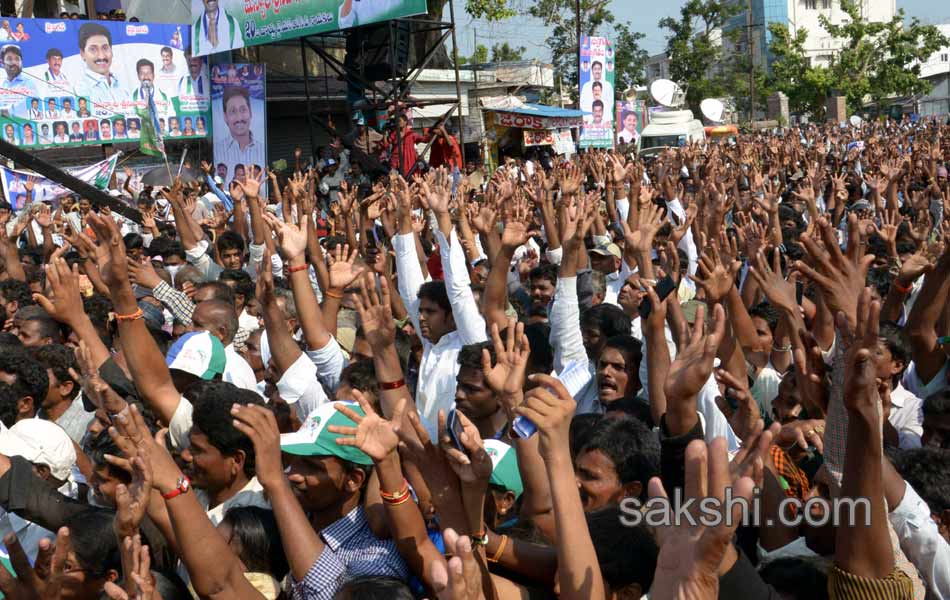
(298, 268)
(903, 290)
(392, 385)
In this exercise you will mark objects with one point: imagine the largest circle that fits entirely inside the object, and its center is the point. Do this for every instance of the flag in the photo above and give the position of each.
(97, 175)
(151, 140)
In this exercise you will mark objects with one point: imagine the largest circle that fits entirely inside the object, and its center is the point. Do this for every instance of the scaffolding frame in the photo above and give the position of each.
(398, 87)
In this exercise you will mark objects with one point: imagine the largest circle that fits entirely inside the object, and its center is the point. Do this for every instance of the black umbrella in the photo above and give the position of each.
(158, 177)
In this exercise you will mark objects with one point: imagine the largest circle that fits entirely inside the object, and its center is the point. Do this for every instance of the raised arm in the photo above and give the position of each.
(143, 358)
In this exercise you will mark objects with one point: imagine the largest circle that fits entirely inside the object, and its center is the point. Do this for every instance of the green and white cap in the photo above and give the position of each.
(198, 353)
(504, 466)
(314, 439)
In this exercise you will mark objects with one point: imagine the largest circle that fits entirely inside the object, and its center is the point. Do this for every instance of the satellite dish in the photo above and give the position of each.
(712, 109)
(668, 93)
(855, 121)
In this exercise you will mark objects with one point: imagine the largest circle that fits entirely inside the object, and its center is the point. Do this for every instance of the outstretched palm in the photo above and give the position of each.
(343, 270)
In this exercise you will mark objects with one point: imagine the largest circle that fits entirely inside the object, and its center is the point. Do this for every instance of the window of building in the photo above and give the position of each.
(826, 4)
(945, 58)
(811, 4)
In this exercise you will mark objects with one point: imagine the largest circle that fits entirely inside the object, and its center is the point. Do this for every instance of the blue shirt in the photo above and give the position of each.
(107, 95)
(351, 551)
(15, 95)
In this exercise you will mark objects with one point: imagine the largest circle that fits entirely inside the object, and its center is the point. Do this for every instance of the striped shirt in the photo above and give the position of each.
(351, 551)
(228, 150)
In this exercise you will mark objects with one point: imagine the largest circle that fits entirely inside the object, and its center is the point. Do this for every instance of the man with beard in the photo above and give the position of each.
(145, 69)
(17, 88)
(194, 88)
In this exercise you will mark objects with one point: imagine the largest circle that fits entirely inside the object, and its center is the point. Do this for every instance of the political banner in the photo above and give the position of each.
(44, 190)
(240, 120)
(596, 83)
(70, 83)
(633, 117)
(222, 25)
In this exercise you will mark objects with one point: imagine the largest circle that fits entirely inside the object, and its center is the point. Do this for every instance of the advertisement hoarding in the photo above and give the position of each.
(596, 83)
(239, 114)
(222, 25)
(632, 118)
(75, 83)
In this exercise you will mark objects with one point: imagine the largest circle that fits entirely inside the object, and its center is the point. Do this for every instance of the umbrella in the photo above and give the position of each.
(158, 177)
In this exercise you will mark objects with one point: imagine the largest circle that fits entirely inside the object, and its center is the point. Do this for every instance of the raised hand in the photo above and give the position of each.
(861, 340)
(550, 407)
(694, 361)
(206, 167)
(471, 465)
(40, 581)
(640, 240)
(131, 501)
(375, 311)
(569, 179)
(691, 553)
(260, 426)
(66, 304)
(343, 270)
(136, 563)
(132, 436)
(376, 436)
(292, 238)
(717, 274)
(113, 265)
(438, 191)
(780, 293)
(252, 185)
(459, 578)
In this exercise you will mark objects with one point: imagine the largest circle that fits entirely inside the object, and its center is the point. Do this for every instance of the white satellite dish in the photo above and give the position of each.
(668, 93)
(855, 121)
(712, 109)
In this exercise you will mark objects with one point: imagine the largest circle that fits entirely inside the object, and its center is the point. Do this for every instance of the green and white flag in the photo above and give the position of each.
(46, 190)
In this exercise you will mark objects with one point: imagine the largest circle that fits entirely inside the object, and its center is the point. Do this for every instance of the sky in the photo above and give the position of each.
(642, 15)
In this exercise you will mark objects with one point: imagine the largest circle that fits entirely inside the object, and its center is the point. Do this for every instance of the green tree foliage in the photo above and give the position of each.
(694, 47)
(597, 19)
(490, 10)
(881, 59)
(479, 56)
(877, 60)
(505, 52)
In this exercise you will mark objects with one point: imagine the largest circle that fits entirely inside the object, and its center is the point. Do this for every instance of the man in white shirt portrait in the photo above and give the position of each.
(587, 92)
(52, 111)
(56, 80)
(239, 145)
(99, 83)
(353, 13)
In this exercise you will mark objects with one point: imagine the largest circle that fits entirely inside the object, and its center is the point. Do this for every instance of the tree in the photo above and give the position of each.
(596, 15)
(880, 59)
(694, 47)
(479, 56)
(507, 53)
(631, 59)
(489, 10)
(806, 86)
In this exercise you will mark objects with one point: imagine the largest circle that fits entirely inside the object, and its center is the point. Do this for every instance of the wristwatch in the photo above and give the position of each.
(183, 486)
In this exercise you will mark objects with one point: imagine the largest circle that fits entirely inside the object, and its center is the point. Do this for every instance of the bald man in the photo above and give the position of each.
(221, 320)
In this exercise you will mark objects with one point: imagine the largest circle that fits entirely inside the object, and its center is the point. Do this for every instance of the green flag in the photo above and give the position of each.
(148, 139)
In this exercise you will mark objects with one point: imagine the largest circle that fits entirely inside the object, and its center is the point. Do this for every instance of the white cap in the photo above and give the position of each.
(41, 442)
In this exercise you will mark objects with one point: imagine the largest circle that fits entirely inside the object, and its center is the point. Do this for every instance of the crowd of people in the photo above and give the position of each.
(568, 377)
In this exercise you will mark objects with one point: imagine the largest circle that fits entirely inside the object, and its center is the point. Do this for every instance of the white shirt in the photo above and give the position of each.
(921, 542)
(237, 371)
(439, 366)
(229, 152)
(907, 416)
(363, 12)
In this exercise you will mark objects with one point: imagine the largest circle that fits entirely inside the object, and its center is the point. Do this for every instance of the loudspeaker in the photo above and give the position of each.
(368, 50)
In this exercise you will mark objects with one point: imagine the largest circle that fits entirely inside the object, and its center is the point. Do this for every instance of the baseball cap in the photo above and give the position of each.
(330, 162)
(40, 442)
(198, 353)
(504, 467)
(861, 204)
(608, 250)
(314, 439)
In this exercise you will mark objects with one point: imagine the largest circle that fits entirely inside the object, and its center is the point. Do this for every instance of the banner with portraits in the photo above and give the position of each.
(239, 114)
(596, 83)
(632, 118)
(70, 83)
(223, 25)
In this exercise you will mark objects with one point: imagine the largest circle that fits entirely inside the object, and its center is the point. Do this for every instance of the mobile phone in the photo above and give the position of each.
(456, 429)
(799, 292)
(664, 288)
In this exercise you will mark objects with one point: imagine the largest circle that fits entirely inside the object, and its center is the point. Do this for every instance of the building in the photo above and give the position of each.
(820, 47)
(658, 67)
(937, 71)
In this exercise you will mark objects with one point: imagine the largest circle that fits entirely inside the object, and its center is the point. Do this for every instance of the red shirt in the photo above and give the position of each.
(446, 152)
(408, 154)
